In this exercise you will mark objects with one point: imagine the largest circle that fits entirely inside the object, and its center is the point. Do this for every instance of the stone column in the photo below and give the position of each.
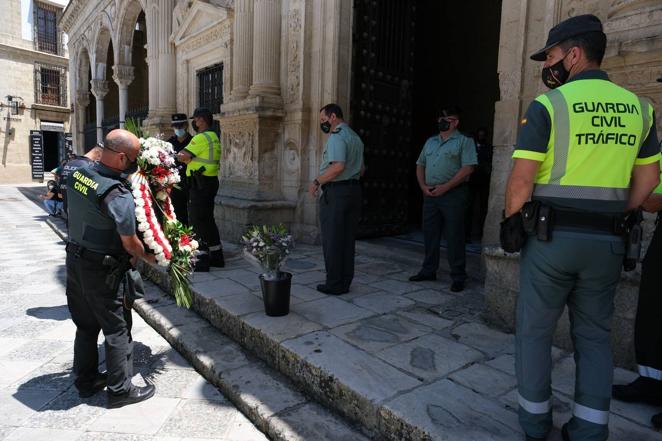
(82, 101)
(266, 48)
(123, 76)
(242, 56)
(99, 90)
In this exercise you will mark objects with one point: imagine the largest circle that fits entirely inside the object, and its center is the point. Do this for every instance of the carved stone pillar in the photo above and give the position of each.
(82, 101)
(242, 65)
(99, 90)
(161, 65)
(123, 76)
(266, 48)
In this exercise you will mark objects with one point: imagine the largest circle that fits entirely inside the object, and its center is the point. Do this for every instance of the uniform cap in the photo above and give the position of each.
(178, 118)
(573, 26)
(201, 111)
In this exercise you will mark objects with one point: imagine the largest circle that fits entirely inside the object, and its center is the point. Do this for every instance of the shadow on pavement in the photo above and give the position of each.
(58, 313)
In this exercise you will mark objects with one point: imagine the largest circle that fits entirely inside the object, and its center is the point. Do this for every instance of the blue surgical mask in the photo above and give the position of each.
(180, 133)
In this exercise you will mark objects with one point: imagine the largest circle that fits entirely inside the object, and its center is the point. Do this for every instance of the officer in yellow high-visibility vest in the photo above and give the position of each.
(203, 156)
(647, 388)
(586, 154)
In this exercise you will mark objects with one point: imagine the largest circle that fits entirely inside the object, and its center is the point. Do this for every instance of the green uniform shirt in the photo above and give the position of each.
(206, 150)
(443, 159)
(344, 145)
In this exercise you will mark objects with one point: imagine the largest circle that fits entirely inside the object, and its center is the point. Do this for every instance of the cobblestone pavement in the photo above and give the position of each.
(37, 398)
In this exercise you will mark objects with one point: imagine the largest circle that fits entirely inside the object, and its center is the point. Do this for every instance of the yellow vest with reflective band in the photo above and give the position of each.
(597, 131)
(206, 148)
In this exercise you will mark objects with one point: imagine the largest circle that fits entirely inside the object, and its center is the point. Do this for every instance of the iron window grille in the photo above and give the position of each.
(47, 36)
(50, 85)
(210, 87)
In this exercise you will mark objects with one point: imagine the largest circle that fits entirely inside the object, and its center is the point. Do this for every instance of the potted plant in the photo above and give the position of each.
(269, 246)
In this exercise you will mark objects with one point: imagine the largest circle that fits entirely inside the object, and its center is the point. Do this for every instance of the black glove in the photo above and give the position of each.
(512, 235)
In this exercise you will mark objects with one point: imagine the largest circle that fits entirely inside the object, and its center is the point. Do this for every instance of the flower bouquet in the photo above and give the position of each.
(171, 242)
(268, 247)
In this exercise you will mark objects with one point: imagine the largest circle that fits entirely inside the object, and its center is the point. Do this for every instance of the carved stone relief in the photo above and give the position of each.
(294, 24)
(240, 150)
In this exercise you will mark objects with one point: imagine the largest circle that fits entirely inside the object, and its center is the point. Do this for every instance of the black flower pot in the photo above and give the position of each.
(276, 294)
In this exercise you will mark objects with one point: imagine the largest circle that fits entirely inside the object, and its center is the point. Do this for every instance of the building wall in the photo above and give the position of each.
(17, 57)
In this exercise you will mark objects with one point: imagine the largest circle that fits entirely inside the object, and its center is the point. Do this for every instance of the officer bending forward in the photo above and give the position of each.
(102, 239)
(586, 153)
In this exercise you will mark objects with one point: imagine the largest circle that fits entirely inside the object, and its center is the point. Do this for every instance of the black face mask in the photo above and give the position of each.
(444, 125)
(132, 168)
(194, 126)
(325, 126)
(555, 75)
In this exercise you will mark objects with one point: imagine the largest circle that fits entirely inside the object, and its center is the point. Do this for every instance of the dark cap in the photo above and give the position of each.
(201, 111)
(179, 118)
(569, 28)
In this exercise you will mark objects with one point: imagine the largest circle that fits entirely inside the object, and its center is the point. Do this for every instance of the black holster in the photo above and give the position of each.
(632, 235)
(196, 179)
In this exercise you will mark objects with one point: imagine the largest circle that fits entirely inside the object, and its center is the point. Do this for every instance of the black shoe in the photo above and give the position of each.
(564, 432)
(657, 421)
(326, 290)
(642, 390)
(97, 385)
(135, 395)
(202, 264)
(457, 286)
(421, 277)
(216, 259)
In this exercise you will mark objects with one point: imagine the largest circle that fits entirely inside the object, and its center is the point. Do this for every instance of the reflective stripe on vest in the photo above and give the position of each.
(210, 154)
(595, 139)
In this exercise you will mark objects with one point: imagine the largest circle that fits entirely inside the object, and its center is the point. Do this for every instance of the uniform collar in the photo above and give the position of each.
(593, 74)
(105, 170)
(339, 126)
(452, 136)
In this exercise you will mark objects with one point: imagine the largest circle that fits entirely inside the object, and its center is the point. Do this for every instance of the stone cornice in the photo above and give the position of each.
(30, 55)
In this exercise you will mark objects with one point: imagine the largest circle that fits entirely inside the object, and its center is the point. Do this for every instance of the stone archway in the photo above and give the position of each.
(99, 84)
(85, 102)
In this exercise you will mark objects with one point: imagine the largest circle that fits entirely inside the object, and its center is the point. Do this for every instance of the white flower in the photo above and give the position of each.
(143, 226)
(162, 195)
(194, 244)
(148, 234)
(140, 217)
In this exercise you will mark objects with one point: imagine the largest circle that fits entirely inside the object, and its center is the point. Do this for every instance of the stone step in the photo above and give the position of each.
(265, 396)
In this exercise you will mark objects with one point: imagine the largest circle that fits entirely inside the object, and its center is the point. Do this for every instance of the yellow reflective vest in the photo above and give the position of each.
(206, 150)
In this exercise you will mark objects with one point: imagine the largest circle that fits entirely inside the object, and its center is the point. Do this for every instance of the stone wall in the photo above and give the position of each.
(633, 59)
(17, 58)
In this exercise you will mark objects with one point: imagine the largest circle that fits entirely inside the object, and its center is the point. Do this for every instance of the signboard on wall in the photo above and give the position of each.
(68, 144)
(37, 154)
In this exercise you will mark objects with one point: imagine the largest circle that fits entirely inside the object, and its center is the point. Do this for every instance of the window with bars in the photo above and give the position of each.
(210, 87)
(50, 83)
(47, 38)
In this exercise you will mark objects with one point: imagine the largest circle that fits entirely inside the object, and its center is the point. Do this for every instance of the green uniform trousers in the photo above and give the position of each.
(579, 270)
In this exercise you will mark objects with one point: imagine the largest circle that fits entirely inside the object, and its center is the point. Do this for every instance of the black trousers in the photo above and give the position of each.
(201, 211)
(95, 307)
(179, 199)
(340, 209)
(648, 324)
(445, 214)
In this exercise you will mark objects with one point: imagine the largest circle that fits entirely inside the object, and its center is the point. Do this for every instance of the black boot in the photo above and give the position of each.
(642, 390)
(216, 259)
(657, 421)
(134, 395)
(202, 265)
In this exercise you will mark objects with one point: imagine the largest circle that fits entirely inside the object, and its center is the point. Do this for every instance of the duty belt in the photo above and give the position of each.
(599, 222)
(92, 256)
(341, 183)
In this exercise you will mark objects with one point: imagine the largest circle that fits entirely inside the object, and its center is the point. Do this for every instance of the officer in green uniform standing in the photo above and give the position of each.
(102, 239)
(202, 157)
(442, 169)
(340, 203)
(586, 154)
(647, 388)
